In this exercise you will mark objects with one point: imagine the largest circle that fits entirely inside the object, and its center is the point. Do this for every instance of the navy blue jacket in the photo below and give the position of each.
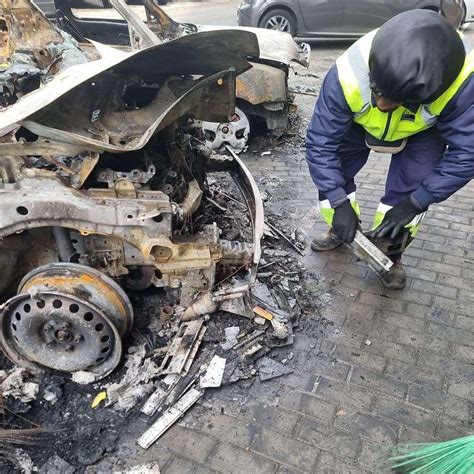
(332, 118)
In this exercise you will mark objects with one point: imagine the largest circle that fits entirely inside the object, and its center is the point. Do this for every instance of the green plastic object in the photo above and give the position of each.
(454, 457)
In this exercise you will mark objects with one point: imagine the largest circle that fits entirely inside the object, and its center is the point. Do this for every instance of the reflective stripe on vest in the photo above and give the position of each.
(353, 71)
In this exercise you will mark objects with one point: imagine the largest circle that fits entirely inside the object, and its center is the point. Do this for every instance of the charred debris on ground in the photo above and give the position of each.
(149, 382)
(107, 185)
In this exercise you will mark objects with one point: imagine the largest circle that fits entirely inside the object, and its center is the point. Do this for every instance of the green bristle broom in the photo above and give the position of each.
(449, 457)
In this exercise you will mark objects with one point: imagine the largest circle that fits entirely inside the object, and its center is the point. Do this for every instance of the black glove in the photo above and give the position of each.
(396, 219)
(345, 222)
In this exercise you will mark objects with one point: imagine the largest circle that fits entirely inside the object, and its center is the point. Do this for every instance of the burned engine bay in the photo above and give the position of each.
(102, 183)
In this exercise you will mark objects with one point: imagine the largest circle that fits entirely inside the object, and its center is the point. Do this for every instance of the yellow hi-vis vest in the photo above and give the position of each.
(353, 71)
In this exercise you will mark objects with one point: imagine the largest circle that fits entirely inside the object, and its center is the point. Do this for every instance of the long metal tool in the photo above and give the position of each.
(364, 249)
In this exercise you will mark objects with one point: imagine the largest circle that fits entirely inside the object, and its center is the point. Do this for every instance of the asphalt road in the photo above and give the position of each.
(201, 13)
(217, 12)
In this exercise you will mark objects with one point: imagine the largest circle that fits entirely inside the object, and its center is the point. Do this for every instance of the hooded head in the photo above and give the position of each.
(415, 57)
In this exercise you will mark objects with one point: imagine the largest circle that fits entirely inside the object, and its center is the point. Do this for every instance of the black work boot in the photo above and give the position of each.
(395, 278)
(326, 242)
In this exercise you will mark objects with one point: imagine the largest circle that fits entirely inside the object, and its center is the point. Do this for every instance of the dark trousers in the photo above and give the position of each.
(407, 171)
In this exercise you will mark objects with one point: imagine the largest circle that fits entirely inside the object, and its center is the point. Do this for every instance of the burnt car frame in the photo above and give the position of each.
(101, 178)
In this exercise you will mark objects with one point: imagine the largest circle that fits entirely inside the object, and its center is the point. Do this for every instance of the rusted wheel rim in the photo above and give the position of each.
(67, 317)
(60, 332)
(85, 283)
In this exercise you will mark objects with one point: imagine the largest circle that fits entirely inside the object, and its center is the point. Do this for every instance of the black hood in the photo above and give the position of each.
(415, 57)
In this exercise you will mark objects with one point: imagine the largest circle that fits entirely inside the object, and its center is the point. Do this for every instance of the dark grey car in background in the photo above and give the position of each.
(335, 18)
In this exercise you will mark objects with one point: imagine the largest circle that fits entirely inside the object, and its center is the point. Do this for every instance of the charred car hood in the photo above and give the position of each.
(212, 54)
(274, 45)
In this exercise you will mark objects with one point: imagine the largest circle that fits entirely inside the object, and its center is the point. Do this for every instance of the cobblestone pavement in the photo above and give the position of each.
(393, 366)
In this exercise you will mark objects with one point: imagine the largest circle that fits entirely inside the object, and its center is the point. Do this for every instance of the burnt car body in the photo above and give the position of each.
(261, 91)
(101, 181)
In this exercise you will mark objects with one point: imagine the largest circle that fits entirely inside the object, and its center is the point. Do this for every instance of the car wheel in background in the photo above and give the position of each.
(280, 20)
(162, 2)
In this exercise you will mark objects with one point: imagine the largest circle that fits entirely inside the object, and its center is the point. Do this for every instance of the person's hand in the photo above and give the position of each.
(396, 219)
(345, 222)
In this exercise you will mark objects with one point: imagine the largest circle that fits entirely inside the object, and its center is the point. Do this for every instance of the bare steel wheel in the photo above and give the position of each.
(66, 317)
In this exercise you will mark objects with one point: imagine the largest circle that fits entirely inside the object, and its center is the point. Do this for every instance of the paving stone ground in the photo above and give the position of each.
(395, 366)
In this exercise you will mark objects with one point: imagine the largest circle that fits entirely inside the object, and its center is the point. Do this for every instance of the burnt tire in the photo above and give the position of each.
(280, 20)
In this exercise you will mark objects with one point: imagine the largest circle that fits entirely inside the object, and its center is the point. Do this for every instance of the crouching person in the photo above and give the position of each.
(406, 89)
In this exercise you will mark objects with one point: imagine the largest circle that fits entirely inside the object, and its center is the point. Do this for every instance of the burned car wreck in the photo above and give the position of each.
(102, 178)
(262, 91)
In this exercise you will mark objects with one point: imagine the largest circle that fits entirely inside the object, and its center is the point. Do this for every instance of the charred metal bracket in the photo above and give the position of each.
(40, 200)
(137, 176)
(102, 212)
(51, 151)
